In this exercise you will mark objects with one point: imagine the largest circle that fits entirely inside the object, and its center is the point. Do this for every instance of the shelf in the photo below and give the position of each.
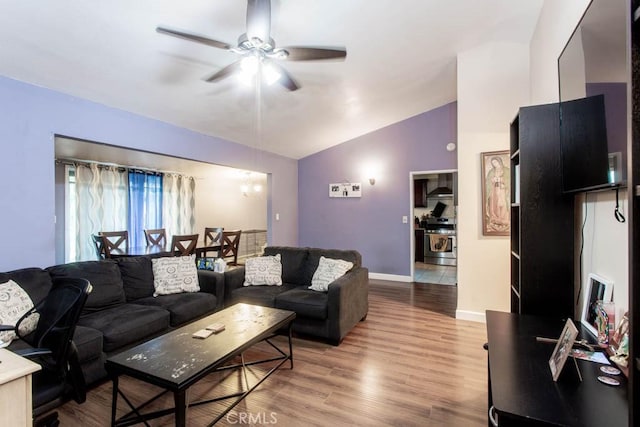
(515, 154)
(515, 254)
(515, 205)
(515, 291)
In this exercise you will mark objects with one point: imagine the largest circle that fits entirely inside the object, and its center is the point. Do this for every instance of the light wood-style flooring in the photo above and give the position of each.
(410, 363)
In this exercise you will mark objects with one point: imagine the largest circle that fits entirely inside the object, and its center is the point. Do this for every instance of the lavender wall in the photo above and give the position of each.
(30, 117)
(373, 224)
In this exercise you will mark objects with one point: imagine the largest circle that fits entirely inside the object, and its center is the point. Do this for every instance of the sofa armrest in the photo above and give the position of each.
(348, 302)
(212, 283)
(233, 279)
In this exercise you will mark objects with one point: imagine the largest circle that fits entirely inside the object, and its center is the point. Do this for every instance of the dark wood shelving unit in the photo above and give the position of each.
(541, 217)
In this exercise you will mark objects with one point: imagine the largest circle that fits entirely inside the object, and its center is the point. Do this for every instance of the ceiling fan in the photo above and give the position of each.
(258, 50)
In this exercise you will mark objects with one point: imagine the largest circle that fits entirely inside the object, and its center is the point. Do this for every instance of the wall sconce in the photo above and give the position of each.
(372, 181)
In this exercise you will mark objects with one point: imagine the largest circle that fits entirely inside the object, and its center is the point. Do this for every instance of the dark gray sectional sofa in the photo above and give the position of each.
(329, 315)
(121, 310)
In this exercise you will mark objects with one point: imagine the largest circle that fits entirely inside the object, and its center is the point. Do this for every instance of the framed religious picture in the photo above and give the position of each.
(562, 349)
(496, 193)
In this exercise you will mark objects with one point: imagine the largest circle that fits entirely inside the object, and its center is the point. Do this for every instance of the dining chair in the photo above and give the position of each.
(98, 243)
(157, 236)
(114, 241)
(230, 245)
(213, 237)
(182, 245)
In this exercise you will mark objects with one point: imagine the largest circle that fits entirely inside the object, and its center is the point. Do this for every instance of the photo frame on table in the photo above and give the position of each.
(598, 289)
(563, 349)
(496, 193)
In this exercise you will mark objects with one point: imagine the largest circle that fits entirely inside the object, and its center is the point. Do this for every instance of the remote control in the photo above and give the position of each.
(202, 333)
(215, 327)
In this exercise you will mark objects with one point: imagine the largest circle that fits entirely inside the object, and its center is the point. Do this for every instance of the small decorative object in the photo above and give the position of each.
(219, 265)
(562, 349)
(598, 289)
(602, 324)
(620, 342)
(496, 193)
(348, 189)
(621, 331)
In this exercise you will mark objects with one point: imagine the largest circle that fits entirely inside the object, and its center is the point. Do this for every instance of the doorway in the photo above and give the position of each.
(434, 202)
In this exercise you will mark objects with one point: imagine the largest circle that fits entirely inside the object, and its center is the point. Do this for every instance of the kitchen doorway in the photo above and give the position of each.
(434, 202)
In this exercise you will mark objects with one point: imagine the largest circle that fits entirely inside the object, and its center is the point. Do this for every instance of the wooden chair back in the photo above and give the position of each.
(230, 245)
(213, 237)
(157, 236)
(115, 241)
(98, 242)
(182, 245)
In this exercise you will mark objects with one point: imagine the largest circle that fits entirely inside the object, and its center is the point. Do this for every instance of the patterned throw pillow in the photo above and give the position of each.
(173, 275)
(328, 270)
(264, 270)
(14, 302)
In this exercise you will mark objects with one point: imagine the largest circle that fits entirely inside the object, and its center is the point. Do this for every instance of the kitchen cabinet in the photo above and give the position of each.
(420, 193)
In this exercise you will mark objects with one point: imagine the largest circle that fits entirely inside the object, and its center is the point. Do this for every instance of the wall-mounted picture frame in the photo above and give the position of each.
(349, 189)
(496, 193)
(563, 349)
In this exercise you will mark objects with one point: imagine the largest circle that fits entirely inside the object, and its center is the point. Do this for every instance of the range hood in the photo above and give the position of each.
(445, 187)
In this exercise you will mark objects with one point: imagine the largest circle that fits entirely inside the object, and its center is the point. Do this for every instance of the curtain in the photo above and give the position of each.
(100, 195)
(178, 196)
(145, 204)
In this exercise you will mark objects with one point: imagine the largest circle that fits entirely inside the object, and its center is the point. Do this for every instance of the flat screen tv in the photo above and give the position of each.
(593, 78)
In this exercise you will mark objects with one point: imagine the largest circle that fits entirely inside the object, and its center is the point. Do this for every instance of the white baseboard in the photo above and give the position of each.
(473, 316)
(390, 277)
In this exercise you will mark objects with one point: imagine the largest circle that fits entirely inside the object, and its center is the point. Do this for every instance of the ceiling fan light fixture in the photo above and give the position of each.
(271, 73)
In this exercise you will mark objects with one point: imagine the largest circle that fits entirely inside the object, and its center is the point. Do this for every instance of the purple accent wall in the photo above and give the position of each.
(31, 116)
(373, 224)
(615, 111)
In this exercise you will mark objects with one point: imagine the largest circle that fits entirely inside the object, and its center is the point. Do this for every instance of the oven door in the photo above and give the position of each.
(433, 254)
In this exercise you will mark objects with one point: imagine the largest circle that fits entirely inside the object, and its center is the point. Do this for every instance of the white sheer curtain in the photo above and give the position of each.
(178, 200)
(100, 196)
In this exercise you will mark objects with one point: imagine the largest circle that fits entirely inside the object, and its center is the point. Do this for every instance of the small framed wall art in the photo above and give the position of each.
(350, 189)
(496, 193)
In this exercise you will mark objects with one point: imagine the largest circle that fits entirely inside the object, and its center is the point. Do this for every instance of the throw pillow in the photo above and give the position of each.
(264, 270)
(328, 270)
(14, 303)
(173, 275)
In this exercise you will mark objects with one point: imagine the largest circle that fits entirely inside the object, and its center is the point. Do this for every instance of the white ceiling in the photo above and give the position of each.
(401, 61)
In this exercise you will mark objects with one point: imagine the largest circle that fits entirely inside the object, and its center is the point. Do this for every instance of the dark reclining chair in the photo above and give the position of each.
(52, 347)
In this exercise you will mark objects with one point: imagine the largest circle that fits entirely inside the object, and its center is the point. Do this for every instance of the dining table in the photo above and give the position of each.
(133, 251)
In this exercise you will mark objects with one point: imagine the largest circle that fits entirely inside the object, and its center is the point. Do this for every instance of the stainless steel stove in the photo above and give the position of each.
(440, 242)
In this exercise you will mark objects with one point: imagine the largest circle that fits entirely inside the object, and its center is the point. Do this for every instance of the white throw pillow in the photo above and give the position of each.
(14, 303)
(328, 270)
(264, 270)
(173, 275)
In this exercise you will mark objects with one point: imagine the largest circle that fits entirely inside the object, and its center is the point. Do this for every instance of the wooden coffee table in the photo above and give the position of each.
(175, 361)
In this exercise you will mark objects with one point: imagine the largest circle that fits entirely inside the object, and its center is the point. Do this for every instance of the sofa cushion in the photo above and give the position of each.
(88, 341)
(264, 270)
(259, 295)
(126, 324)
(172, 275)
(104, 277)
(183, 307)
(35, 281)
(304, 302)
(314, 259)
(328, 270)
(293, 262)
(137, 277)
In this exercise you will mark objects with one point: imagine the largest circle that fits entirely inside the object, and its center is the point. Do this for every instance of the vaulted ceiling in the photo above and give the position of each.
(401, 61)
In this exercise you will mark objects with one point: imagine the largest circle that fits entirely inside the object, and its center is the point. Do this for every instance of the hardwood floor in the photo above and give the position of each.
(410, 363)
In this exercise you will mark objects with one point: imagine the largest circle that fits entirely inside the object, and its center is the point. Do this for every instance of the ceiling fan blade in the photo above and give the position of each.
(259, 20)
(225, 72)
(285, 78)
(193, 38)
(314, 53)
